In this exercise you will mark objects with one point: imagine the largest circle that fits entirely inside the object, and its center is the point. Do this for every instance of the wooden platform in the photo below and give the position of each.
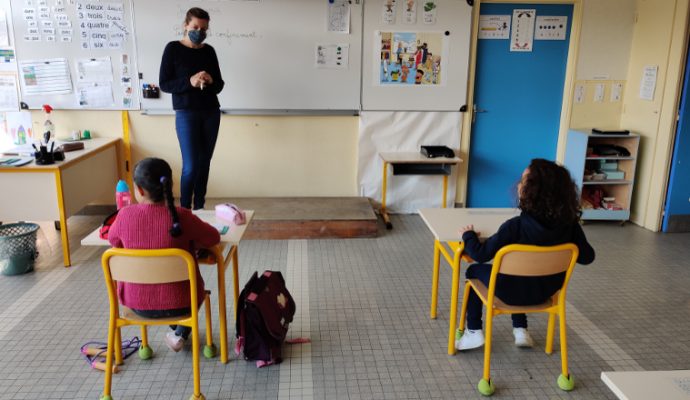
(306, 217)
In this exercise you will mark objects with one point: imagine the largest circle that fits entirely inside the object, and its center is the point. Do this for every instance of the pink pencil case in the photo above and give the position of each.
(231, 212)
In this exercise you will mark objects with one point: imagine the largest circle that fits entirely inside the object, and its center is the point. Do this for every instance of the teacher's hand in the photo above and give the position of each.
(196, 80)
(206, 77)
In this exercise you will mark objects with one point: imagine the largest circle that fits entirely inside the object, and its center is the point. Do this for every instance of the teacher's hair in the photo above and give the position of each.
(196, 12)
(549, 194)
(155, 176)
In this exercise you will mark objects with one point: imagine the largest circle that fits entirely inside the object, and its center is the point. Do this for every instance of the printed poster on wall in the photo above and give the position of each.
(494, 27)
(410, 58)
(388, 12)
(429, 12)
(410, 14)
(522, 31)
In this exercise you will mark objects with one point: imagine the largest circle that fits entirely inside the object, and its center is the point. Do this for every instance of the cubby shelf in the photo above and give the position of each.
(578, 157)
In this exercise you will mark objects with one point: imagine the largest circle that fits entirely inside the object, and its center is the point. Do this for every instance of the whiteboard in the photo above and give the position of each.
(453, 21)
(54, 37)
(266, 50)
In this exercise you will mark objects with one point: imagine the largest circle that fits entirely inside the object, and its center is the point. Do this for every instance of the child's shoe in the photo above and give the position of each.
(174, 342)
(523, 338)
(470, 339)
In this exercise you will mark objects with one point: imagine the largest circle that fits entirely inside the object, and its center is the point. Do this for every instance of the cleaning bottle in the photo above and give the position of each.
(122, 196)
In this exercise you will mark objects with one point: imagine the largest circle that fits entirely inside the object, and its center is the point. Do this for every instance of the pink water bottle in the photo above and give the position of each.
(122, 196)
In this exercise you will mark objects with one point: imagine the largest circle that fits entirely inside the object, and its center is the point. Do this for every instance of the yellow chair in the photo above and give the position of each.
(151, 267)
(525, 260)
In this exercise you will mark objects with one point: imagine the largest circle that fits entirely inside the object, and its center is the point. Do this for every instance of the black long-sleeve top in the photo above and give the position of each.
(178, 65)
(525, 229)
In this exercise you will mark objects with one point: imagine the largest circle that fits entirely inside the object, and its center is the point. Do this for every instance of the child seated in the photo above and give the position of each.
(550, 208)
(155, 223)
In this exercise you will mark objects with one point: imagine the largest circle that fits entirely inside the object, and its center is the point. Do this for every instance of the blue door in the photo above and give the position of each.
(677, 208)
(518, 98)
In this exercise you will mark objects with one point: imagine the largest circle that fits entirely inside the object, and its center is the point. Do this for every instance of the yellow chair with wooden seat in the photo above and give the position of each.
(529, 261)
(151, 267)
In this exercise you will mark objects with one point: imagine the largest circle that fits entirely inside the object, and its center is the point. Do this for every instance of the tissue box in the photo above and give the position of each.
(231, 212)
(606, 165)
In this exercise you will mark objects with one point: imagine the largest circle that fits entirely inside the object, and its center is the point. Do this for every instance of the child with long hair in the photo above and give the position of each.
(550, 216)
(156, 223)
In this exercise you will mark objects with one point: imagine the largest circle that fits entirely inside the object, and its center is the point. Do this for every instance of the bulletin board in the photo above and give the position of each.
(76, 54)
(273, 54)
(394, 30)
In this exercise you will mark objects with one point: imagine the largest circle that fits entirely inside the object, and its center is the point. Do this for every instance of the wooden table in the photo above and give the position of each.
(644, 385)
(414, 163)
(444, 223)
(223, 253)
(57, 191)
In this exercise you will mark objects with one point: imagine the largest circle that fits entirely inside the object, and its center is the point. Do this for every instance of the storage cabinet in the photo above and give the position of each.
(603, 167)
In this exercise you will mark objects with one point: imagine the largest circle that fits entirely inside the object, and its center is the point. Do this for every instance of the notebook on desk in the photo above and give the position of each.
(15, 161)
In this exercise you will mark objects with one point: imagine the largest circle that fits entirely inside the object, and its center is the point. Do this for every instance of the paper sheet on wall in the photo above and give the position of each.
(494, 27)
(48, 76)
(388, 12)
(95, 94)
(4, 32)
(410, 14)
(8, 61)
(648, 82)
(522, 31)
(98, 69)
(332, 56)
(430, 12)
(339, 16)
(9, 99)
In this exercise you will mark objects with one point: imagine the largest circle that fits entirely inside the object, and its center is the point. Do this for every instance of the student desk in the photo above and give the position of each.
(223, 253)
(643, 385)
(58, 191)
(414, 163)
(444, 223)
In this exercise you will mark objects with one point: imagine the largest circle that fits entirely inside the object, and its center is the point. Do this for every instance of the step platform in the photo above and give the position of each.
(306, 217)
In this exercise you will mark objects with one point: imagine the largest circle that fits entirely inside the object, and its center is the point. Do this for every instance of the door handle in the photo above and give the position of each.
(476, 110)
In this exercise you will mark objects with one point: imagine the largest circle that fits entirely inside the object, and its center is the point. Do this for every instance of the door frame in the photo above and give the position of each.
(568, 88)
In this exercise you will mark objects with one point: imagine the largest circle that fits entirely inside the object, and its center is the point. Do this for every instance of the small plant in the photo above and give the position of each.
(429, 5)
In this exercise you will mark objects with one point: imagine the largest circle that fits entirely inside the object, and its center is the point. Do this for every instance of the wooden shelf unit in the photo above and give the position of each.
(577, 160)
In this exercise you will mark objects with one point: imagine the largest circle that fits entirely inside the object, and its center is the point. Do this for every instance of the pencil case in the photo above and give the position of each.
(231, 212)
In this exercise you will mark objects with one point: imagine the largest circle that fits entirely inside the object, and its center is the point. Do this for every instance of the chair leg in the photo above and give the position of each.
(195, 359)
(109, 361)
(210, 348)
(434, 280)
(551, 327)
(463, 310)
(565, 380)
(486, 386)
(118, 347)
(145, 351)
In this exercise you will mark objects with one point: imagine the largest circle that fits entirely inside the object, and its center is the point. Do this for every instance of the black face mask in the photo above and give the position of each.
(197, 36)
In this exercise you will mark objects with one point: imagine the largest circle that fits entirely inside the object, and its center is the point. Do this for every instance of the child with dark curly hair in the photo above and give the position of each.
(550, 216)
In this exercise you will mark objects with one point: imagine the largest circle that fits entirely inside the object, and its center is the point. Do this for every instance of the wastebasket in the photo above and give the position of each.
(17, 248)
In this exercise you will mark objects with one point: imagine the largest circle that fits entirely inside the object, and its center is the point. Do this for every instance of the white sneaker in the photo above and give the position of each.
(470, 339)
(523, 338)
(174, 342)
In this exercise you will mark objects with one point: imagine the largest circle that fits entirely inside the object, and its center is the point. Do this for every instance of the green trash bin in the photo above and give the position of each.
(17, 248)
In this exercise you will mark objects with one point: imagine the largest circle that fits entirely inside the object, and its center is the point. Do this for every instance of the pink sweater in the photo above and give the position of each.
(146, 226)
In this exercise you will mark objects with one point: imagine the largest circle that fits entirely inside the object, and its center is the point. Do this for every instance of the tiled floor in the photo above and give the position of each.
(365, 304)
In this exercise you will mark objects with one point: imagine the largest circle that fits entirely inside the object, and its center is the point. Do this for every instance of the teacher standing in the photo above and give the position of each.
(190, 71)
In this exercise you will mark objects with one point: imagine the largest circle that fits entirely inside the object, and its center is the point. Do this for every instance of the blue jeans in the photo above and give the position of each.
(180, 330)
(197, 131)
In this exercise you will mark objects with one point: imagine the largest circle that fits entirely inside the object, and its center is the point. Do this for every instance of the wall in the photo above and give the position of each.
(605, 45)
(255, 155)
(659, 39)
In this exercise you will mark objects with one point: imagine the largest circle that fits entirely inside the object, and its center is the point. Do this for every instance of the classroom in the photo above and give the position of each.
(352, 148)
